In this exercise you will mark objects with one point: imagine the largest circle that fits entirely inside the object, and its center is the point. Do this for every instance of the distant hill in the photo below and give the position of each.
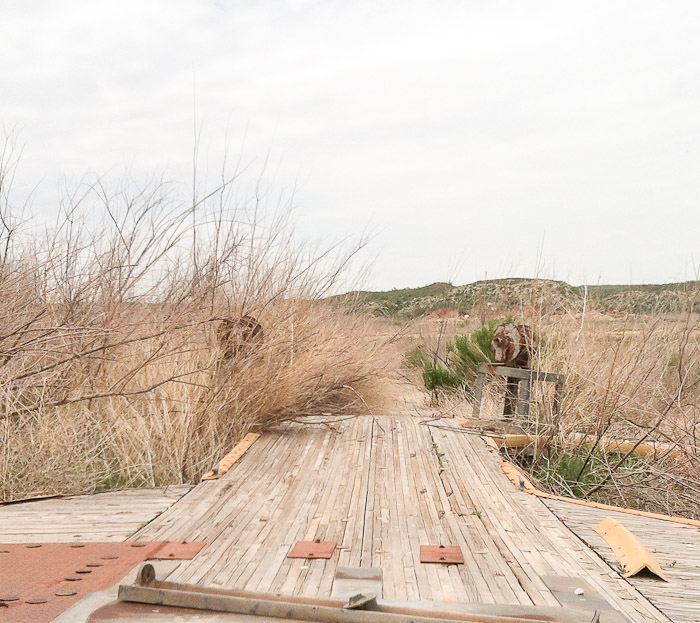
(544, 295)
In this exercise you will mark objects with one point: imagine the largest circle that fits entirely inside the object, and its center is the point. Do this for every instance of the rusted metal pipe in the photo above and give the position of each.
(328, 610)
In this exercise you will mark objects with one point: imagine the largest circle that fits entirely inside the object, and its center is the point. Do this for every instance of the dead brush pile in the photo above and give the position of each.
(630, 377)
(110, 370)
(633, 378)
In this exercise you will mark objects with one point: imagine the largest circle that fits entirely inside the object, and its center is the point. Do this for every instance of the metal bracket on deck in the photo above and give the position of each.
(361, 602)
(349, 581)
(633, 555)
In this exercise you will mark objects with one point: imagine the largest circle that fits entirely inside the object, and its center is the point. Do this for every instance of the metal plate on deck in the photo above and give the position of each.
(350, 581)
(443, 554)
(312, 549)
(39, 581)
(175, 550)
(565, 589)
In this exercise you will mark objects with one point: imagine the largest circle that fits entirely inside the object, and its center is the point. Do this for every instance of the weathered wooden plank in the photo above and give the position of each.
(675, 545)
(475, 525)
(381, 487)
(556, 548)
(109, 516)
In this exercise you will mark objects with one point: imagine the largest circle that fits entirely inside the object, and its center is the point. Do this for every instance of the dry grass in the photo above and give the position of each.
(111, 374)
(110, 371)
(631, 377)
(181, 408)
(635, 378)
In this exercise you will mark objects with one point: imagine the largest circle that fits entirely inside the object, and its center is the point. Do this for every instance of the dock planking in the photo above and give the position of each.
(381, 487)
(98, 517)
(676, 546)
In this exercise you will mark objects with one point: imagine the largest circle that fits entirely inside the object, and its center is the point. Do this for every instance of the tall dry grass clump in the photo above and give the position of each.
(111, 373)
(633, 378)
(630, 377)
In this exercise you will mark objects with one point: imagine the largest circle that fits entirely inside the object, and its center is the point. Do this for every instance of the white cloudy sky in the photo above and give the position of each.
(472, 137)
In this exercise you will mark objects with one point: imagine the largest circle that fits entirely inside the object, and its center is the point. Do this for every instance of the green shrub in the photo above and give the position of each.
(436, 377)
(464, 355)
(572, 472)
(416, 358)
(469, 350)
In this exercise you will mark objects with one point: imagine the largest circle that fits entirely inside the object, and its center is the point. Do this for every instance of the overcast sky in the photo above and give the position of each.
(474, 138)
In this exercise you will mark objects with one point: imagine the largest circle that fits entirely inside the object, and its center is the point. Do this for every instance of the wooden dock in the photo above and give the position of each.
(676, 546)
(109, 516)
(382, 487)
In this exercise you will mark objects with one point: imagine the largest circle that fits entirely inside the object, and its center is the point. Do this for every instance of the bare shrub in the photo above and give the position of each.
(634, 378)
(630, 377)
(110, 371)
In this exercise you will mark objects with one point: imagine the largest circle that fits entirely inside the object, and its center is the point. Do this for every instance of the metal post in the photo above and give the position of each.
(518, 388)
(510, 407)
(524, 397)
(478, 391)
